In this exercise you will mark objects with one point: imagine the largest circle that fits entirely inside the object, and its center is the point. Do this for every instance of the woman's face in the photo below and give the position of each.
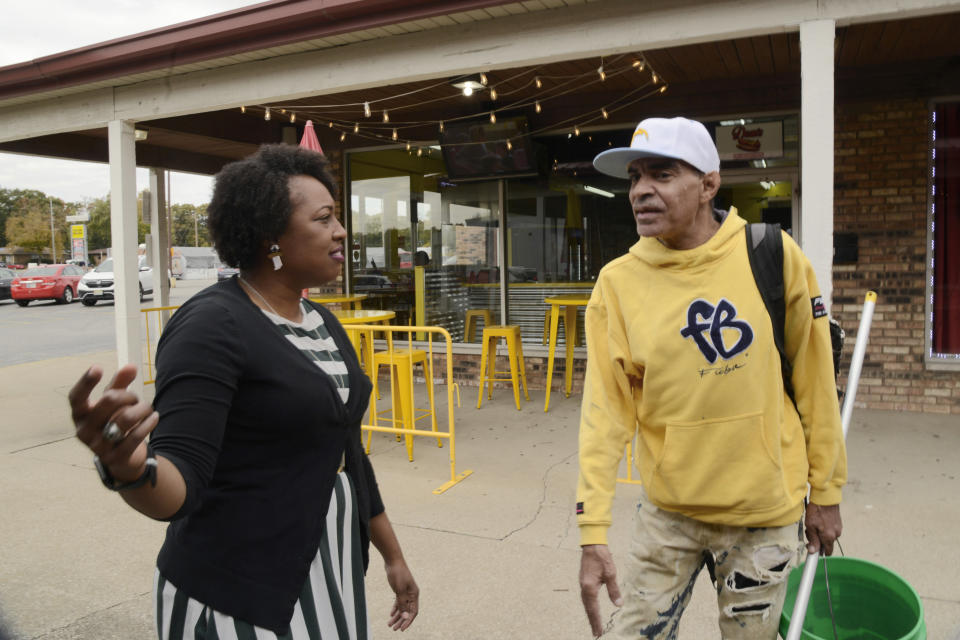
(312, 244)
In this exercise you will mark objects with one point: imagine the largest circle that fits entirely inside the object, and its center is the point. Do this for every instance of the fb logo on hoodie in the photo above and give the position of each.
(706, 324)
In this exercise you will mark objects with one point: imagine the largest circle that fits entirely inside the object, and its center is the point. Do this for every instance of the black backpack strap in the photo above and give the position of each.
(765, 250)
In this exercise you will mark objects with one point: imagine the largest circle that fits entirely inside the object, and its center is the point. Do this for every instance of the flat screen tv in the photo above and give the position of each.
(478, 148)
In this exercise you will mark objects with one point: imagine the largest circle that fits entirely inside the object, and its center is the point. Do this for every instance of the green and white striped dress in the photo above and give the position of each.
(332, 603)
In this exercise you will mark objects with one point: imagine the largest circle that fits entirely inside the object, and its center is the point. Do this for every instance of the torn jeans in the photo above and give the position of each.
(749, 565)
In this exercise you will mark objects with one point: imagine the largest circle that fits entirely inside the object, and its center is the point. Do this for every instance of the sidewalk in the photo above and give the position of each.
(496, 556)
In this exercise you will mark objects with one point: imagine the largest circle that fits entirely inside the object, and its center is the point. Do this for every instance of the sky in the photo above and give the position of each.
(39, 28)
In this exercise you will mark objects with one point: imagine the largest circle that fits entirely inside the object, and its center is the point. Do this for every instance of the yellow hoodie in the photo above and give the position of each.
(680, 346)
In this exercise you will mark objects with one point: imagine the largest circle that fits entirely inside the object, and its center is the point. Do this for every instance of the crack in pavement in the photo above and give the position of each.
(543, 497)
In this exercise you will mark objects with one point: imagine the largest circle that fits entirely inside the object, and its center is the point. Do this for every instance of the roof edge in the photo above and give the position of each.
(261, 26)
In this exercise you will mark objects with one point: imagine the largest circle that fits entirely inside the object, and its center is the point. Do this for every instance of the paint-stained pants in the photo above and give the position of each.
(667, 552)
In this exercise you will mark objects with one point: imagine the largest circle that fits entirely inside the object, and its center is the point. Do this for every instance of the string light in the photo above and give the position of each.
(603, 75)
(330, 124)
(604, 113)
(266, 114)
(639, 65)
(536, 81)
(366, 109)
(394, 136)
(654, 77)
(509, 145)
(408, 146)
(386, 116)
(493, 93)
(293, 117)
(441, 126)
(576, 130)
(483, 79)
(343, 136)
(283, 111)
(493, 118)
(663, 89)
(537, 106)
(243, 109)
(419, 151)
(468, 91)
(356, 127)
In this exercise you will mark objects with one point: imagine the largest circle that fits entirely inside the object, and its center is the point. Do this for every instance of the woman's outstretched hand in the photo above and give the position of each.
(126, 453)
(407, 602)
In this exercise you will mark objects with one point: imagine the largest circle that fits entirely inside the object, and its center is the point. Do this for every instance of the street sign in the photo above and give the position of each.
(80, 217)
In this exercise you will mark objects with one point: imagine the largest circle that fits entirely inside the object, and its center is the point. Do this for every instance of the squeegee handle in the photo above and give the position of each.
(853, 378)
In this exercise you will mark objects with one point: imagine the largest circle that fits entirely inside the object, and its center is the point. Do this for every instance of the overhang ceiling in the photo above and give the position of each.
(914, 57)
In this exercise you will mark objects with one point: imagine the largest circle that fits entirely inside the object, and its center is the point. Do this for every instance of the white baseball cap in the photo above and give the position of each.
(677, 138)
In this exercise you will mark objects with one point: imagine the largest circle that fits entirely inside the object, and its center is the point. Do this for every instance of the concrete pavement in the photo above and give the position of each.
(495, 556)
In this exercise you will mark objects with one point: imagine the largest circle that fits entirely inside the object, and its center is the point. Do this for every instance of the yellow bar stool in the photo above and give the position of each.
(488, 358)
(401, 398)
(470, 322)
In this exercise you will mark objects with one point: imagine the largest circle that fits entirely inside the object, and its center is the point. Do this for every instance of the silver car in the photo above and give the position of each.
(98, 284)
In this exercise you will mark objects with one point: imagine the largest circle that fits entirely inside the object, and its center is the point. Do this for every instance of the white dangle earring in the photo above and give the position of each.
(274, 255)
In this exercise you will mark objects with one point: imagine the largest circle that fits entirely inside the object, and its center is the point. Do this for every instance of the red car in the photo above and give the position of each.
(47, 282)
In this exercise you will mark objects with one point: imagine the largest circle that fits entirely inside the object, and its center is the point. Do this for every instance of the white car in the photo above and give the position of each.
(98, 284)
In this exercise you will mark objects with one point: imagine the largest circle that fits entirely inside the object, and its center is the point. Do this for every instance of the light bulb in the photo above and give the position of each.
(536, 81)
(394, 136)
(663, 89)
(441, 126)
(266, 114)
(356, 127)
(366, 109)
(243, 109)
(493, 118)
(576, 131)
(509, 145)
(493, 93)
(537, 107)
(408, 146)
(654, 77)
(343, 136)
(386, 116)
(604, 113)
(603, 75)
(330, 124)
(283, 111)
(468, 91)
(293, 117)
(419, 151)
(483, 79)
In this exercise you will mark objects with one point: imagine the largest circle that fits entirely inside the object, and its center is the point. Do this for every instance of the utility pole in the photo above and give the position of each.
(53, 238)
(196, 228)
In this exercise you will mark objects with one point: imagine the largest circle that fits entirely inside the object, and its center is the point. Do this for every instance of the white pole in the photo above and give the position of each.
(853, 378)
(53, 237)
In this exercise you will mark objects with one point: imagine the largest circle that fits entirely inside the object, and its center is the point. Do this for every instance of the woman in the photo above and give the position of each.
(255, 429)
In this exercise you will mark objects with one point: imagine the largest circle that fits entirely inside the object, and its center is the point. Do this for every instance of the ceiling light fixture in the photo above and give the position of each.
(599, 192)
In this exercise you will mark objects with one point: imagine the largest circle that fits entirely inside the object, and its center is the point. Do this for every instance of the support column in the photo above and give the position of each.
(123, 232)
(161, 244)
(816, 149)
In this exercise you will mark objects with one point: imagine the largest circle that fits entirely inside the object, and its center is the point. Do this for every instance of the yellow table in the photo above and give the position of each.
(363, 316)
(346, 300)
(569, 304)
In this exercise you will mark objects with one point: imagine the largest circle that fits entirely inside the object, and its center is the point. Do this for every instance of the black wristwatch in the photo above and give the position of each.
(149, 474)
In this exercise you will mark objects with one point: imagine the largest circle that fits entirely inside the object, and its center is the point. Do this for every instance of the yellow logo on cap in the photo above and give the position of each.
(637, 133)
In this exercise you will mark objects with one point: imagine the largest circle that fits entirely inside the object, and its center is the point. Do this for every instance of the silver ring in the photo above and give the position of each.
(112, 433)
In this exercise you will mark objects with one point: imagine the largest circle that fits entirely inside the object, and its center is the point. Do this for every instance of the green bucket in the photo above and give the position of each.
(870, 602)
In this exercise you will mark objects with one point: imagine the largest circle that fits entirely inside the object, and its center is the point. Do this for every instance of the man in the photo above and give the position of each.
(681, 351)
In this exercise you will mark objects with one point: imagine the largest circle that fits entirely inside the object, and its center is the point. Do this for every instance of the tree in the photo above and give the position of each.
(189, 226)
(29, 229)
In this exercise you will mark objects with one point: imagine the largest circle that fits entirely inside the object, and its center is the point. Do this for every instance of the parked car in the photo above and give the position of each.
(58, 282)
(225, 273)
(371, 282)
(6, 277)
(97, 285)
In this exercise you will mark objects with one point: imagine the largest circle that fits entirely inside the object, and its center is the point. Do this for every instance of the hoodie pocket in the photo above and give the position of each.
(718, 465)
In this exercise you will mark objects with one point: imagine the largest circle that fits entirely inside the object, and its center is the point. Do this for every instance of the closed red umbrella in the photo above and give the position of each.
(309, 139)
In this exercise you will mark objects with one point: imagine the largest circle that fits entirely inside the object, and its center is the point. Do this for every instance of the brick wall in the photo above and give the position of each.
(880, 194)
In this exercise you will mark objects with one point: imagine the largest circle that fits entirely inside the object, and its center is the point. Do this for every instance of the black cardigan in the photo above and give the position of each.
(257, 431)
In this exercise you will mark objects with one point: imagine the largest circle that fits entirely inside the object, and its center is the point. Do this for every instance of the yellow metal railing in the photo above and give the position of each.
(432, 335)
(162, 316)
